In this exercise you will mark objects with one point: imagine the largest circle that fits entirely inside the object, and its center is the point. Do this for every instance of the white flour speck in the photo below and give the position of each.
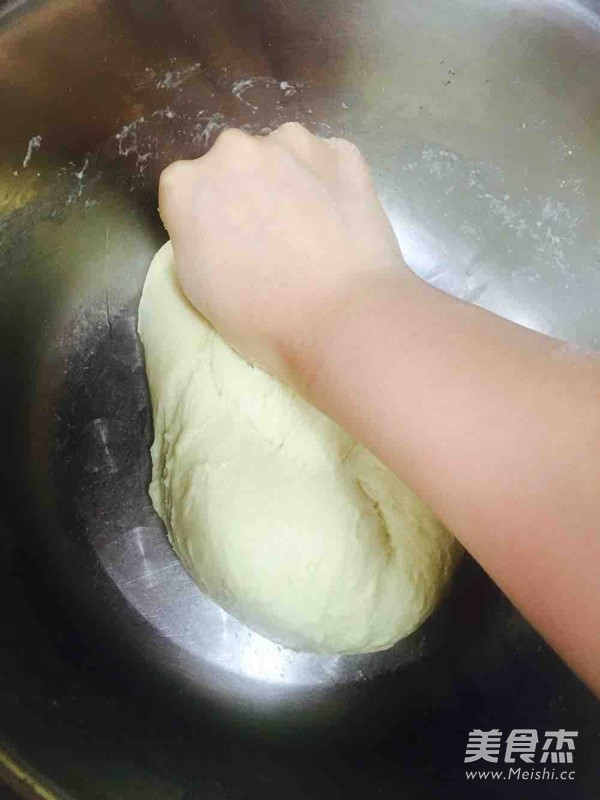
(126, 138)
(207, 127)
(287, 88)
(34, 144)
(174, 78)
(164, 113)
(242, 85)
(79, 175)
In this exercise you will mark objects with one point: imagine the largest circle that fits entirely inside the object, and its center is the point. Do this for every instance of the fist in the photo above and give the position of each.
(272, 235)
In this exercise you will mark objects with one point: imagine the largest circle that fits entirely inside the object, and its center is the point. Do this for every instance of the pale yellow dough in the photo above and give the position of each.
(277, 513)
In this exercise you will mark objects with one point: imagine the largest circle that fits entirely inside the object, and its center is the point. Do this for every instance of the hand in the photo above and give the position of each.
(272, 234)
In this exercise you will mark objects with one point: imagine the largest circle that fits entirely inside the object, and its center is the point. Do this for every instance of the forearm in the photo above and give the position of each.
(495, 426)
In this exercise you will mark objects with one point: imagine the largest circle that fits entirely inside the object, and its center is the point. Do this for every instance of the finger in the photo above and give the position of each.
(234, 147)
(307, 149)
(352, 167)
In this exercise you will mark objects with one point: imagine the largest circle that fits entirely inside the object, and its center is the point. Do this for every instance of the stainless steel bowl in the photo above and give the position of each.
(481, 121)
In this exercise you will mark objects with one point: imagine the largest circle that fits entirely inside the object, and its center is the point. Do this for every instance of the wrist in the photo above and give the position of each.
(349, 320)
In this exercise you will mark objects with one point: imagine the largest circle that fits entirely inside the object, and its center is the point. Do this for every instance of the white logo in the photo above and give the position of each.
(521, 748)
(484, 745)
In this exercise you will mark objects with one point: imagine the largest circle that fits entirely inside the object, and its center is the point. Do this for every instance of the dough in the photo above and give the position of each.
(276, 512)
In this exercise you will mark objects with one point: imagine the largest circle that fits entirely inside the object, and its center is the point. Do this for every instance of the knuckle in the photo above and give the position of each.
(238, 149)
(295, 130)
(348, 148)
(352, 159)
(172, 176)
(292, 125)
(173, 185)
(235, 139)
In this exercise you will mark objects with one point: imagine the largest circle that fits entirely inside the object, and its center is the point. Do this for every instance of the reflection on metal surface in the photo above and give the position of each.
(482, 128)
(25, 780)
(147, 572)
(102, 446)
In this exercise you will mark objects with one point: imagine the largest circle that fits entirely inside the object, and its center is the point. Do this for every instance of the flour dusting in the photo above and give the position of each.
(208, 127)
(173, 78)
(34, 144)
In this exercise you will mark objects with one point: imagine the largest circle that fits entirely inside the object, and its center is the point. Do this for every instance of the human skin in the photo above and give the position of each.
(281, 242)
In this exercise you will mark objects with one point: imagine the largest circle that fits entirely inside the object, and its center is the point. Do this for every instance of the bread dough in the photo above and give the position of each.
(276, 512)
